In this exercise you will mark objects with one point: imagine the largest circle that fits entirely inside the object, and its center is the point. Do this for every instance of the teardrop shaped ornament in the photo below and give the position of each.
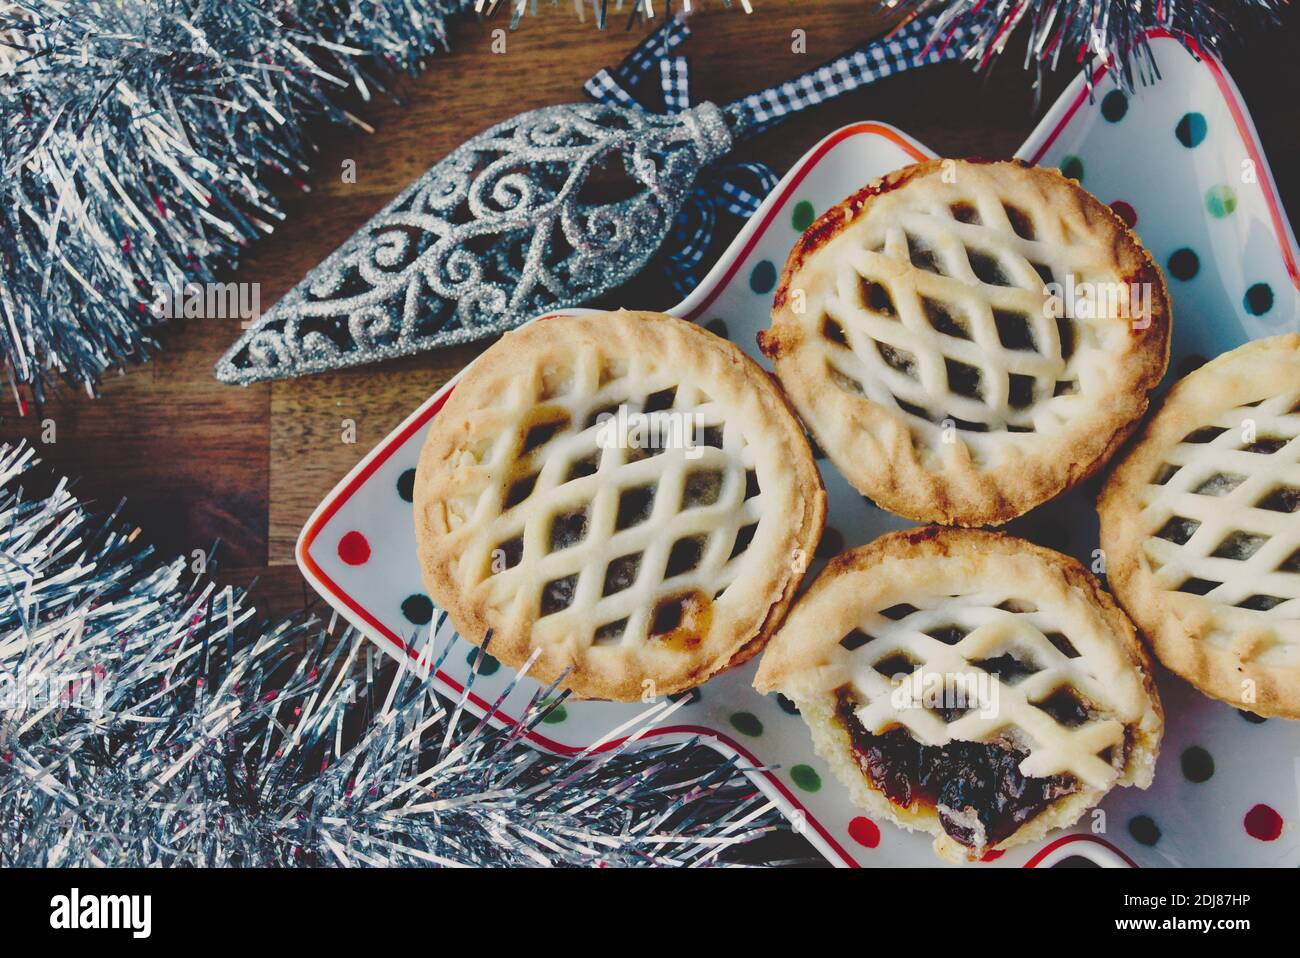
(549, 209)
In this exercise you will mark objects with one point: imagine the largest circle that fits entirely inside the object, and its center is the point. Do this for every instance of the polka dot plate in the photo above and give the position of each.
(1182, 163)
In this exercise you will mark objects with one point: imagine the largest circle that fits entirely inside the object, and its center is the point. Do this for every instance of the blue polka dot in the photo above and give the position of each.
(763, 277)
(417, 609)
(1144, 829)
(1184, 263)
(1259, 299)
(406, 485)
(1191, 130)
(486, 664)
(1114, 106)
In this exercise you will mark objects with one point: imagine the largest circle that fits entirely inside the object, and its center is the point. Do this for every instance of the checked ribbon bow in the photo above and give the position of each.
(739, 188)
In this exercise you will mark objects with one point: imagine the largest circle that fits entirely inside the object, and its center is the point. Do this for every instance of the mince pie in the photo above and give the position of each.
(968, 684)
(968, 339)
(1200, 525)
(624, 495)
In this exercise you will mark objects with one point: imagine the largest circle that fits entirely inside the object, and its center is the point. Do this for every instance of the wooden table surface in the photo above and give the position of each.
(199, 461)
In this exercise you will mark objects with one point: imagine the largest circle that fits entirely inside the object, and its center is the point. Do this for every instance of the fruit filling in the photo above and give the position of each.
(976, 788)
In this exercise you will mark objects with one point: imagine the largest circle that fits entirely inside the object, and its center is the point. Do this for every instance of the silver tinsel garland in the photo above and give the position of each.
(142, 144)
(1089, 33)
(150, 720)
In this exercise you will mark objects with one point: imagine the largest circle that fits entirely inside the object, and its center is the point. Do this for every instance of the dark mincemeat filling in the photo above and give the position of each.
(976, 788)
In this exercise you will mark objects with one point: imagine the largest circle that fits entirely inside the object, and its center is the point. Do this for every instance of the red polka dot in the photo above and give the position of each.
(1263, 823)
(992, 855)
(864, 831)
(1125, 212)
(354, 549)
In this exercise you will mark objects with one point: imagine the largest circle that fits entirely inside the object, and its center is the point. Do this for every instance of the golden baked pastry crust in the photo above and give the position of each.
(909, 330)
(584, 524)
(1207, 501)
(1004, 596)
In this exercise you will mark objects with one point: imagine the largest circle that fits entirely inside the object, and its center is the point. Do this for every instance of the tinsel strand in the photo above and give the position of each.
(150, 718)
(143, 144)
(1090, 33)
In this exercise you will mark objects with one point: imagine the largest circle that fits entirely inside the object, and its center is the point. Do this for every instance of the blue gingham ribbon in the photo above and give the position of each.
(912, 45)
(739, 188)
(735, 188)
(611, 86)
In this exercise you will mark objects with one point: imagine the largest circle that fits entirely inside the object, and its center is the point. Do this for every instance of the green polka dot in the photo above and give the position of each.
(1220, 200)
(556, 715)
(1191, 130)
(787, 706)
(717, 326)
(806, 777)
(692, 696)
(1184, 263)
(747, 723)
(802, 216)
(1251, 717)
(1198, 764)
(1259, 299)
(763, 277)
(486, 664)
(1144, 829)
(1072, 168)
(1114, 105)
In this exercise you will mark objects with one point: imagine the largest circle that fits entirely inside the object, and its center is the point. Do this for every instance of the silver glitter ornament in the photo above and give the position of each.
(497, 232)
(505, 227)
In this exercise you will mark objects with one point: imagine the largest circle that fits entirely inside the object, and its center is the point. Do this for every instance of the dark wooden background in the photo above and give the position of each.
(199, 461)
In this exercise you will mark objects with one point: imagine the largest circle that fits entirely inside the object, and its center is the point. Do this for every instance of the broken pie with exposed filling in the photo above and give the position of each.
(968, 684)
(968, 339)
(623, 498)
(1200, 526)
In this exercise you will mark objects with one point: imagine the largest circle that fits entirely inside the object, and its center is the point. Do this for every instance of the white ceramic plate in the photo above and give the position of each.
(1180, 159)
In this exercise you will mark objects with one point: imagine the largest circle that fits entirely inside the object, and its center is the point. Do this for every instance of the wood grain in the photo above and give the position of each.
(307, 415)
(199, 461)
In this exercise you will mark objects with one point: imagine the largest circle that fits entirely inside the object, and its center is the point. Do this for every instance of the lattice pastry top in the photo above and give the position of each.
(1200, 525)
(967, 339)
(969, 684)
(624, 493)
